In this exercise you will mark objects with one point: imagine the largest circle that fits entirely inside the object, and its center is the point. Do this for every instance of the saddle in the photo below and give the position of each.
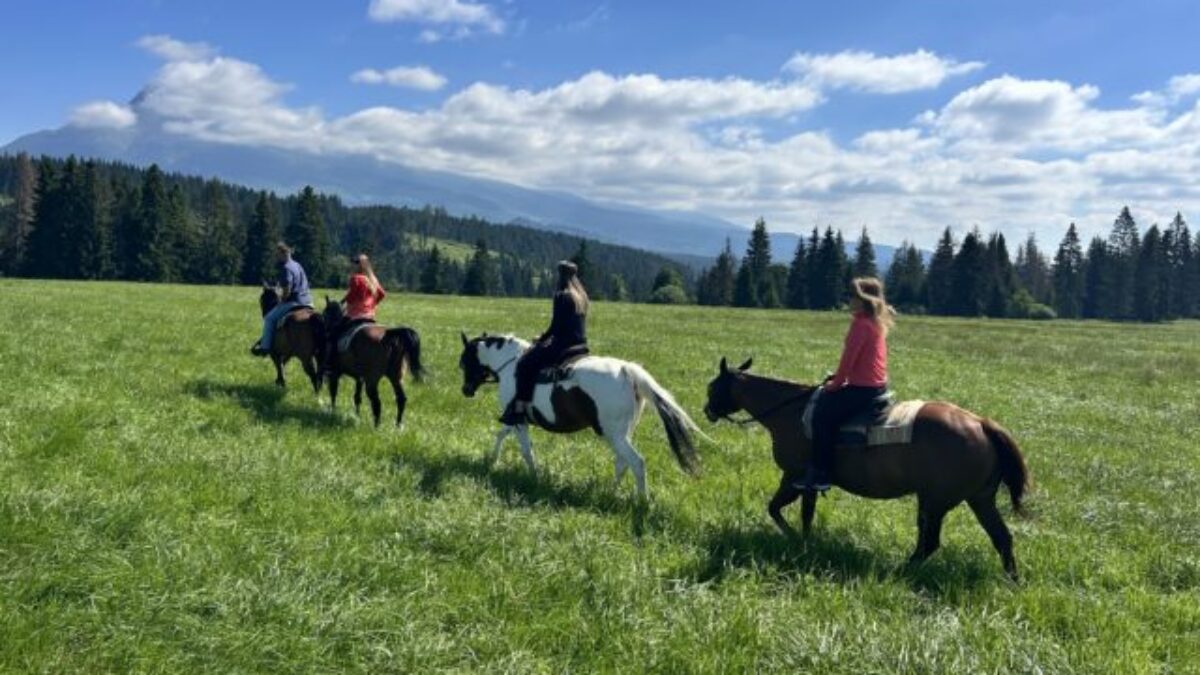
(343, 343)
(284, 319)
(563, 369)
(881, 423)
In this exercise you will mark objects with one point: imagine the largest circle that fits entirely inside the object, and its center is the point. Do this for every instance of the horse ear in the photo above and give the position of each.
(724, 365)
(746, 366)
(265, 284)
(463, 335)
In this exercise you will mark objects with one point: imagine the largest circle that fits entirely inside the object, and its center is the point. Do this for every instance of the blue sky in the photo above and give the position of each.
(906, 116)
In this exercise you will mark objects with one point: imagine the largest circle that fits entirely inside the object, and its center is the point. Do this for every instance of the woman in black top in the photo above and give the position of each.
(567, 336)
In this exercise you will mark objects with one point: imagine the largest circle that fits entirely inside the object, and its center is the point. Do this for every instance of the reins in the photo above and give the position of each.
(768, 413)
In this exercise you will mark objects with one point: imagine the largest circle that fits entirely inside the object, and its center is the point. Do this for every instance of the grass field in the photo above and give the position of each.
(164, 508)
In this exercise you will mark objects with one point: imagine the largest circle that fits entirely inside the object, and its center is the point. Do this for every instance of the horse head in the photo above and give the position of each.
(484, 359)
(268, 298)
(333, 311)
(721, 401)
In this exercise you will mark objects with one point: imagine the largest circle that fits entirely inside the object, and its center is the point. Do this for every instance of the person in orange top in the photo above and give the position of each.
(861, 377)
(358, 306)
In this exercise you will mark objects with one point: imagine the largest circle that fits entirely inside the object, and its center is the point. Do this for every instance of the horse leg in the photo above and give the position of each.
(632, 459)
(500, 436)
(808, 509)
(989, 517)
(358, 397)
(929, 529)
(786, 494)
(279, 381)
(314, 375)
(401, 399)
(334, 377)
(620, 467)
(526, 447)
(373, 396)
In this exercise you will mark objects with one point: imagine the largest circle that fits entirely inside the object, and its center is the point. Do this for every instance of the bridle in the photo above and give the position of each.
(751, 419)
(493, 374)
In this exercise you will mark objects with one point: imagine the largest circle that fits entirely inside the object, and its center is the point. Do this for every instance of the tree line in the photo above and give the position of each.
(73, 219)
(1151, 276)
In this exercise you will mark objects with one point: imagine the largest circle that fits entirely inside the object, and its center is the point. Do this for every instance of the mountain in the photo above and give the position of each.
(690, 238)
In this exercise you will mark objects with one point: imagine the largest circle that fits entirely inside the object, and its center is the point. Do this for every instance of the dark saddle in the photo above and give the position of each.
(292, 313)
(563, 369)
(854, 431)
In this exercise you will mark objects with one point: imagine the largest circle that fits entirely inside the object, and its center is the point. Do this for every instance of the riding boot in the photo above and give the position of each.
(516, 414)
(257, 350)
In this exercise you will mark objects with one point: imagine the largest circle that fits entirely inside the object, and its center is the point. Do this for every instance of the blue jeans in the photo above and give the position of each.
(272, 317)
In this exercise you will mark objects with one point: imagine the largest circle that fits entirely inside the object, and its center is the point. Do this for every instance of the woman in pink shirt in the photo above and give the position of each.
(861, 377)
(358, 306)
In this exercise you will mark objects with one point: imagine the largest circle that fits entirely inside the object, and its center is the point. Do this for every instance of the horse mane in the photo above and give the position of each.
(780, 382)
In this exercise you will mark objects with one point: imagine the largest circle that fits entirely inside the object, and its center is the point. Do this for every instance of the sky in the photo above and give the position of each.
(904, 117)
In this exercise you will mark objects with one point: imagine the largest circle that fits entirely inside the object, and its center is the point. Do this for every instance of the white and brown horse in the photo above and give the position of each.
(599, 393)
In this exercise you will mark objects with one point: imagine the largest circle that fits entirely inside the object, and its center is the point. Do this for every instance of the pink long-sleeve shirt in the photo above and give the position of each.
(864, 358)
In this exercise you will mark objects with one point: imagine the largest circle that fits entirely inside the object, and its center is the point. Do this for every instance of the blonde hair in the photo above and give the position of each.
(365, 268)
(869, 291)
(568, 281)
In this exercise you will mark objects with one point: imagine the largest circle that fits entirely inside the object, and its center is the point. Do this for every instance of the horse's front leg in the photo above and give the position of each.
(786, 494)
(279, 381)
(499, 445)
(526, 447)
(808, 509)
(334, 378)
(358, 386)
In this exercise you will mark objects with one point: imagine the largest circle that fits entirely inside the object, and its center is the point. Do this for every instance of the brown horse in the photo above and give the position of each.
(954, 456)
(374, 353)
(302, 336)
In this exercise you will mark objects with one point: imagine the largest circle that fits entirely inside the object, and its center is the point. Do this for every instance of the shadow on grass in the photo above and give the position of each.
(267, 402)
(834, 557)
(516, 486)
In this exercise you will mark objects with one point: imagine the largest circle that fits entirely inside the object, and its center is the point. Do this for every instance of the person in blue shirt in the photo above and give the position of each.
(294, 293)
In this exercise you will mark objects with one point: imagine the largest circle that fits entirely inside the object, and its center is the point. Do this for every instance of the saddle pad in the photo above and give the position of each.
(896, 428)
(344, 340)
(561, 371)
(288, 314)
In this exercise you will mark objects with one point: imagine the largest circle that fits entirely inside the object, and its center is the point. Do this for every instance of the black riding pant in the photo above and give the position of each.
(833, 409)
(540, 356)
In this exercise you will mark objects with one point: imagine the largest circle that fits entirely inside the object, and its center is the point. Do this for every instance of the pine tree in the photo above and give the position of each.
(307, 236)
(1033, 272)
(939, 281)
(587, 272)
(482, 277)
(717, 283)
(261, 236)
(184, 233)
(46, 236)
(970, 270)
(1123, 258)
(1068, 276)
(1148, 277)
(745, 292)
(864, 257)
(846, 271)
(825, 292)
(94, 231)
(617, 290)
(221, 250)
(1097, 286)
(150, 241)
(16, 228)
(797, 280)
(906, 277)
(1000, 279)
(432, 273)
(1183, 291)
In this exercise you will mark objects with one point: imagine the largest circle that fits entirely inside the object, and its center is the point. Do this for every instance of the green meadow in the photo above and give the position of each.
(164, 508)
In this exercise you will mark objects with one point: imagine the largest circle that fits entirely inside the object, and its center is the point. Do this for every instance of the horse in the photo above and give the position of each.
(375, 352)
(955, 456)
(302, 336)
(603, 394)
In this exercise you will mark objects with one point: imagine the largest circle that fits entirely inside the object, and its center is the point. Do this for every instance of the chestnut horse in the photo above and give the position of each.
(955, 456)
(375, 353)
(302, 336)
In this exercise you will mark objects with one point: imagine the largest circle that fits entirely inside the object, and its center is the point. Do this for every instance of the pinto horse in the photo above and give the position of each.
(955, 456)
(374, 353)
(302, 336)
(603, 394)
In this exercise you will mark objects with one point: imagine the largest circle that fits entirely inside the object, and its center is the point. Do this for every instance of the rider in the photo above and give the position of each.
(364, 294)
(293, 284)
(567, 336)
(861, 377)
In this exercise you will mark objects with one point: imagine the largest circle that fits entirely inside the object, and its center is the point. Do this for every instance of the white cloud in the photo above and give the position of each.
(103, 115)
(412, 77)
(171, 49)
(1179, 88)
(1015, 154)
(864, 71)
(462, 13)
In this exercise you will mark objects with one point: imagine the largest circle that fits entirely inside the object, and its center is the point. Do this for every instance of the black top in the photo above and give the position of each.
(568, 328)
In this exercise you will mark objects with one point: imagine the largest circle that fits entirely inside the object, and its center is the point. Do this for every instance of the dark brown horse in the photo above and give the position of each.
(374, 353)
(954, 456)
(302, 336)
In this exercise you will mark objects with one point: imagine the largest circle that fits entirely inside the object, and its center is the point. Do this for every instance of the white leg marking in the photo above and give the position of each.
(526, 448)
(500, 436)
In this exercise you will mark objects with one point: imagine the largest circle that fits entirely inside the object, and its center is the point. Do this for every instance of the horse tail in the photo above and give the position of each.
(406, 345)
(676, 423)
(1013, 470)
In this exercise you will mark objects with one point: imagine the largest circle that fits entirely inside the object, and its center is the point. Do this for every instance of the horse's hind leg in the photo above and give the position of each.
(929, 529)
(500, 436)
(373, 396)
(314, 375)
(358, 397)
(401, 399)
(334, 377)
(989, 517)
(526, 446)
(785, 495)
(808, 509)
(632, 458)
